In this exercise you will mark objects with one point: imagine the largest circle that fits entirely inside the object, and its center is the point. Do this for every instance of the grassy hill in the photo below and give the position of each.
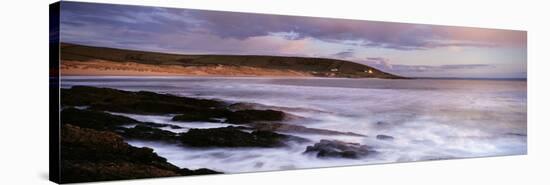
(321, 67)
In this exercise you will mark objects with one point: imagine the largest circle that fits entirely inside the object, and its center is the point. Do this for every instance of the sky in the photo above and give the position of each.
(413, 50)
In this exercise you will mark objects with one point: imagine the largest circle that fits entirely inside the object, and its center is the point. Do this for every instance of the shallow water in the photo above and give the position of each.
(429, 119)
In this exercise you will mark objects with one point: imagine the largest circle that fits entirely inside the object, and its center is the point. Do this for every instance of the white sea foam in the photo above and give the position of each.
(429, 119)
(167, 119)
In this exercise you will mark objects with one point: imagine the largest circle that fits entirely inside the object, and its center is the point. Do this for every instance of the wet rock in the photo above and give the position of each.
(87, 171)
(188, 109)
(148, 133)
(198, 117)
(281, 127)
(338, 149)
(384, 137)
(243, 106)
(91, 155)
(160, 125)
(94, 119)
(234, 137)
(101, 120)
(250, 115)
(257, 106)
(200, 171)
(134, 102)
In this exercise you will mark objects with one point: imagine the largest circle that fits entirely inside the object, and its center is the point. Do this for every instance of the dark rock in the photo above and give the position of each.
(200, 171)
(88, 171)
(190, 109)
(196, 117)
(234, 137)
(160, 125)
(134, 102)
(384, 137)
(148, 133)
(243, 106)
(281, 127)
(101, 120)
(94, 119)
(338, 149)
(206, 115)
(257, 106)
(249, 116)
(91, 155)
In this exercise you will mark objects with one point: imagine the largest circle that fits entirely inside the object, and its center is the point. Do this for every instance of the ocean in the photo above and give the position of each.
(429, 119)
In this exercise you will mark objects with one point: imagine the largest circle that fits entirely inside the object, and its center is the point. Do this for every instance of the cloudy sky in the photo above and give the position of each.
(407, 49)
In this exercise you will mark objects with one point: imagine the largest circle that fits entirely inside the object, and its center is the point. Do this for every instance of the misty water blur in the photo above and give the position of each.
(428, 118)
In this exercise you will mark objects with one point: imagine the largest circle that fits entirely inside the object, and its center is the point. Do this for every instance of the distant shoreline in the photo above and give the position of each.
(458, 78)
(68, 77)
(80, 60)
(90, 60)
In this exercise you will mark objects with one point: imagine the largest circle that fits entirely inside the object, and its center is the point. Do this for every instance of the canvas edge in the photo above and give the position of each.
(54, 148)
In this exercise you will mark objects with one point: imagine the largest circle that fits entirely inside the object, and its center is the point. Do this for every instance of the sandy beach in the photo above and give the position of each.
(109, 68)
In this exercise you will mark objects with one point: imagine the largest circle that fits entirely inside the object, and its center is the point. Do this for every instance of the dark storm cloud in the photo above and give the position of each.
(136, 18)
(118, 24)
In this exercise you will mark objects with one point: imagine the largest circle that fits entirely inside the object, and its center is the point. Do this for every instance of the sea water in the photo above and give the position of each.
(429, 119)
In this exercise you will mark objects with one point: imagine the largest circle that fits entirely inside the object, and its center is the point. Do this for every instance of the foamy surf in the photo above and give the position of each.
(427, 119)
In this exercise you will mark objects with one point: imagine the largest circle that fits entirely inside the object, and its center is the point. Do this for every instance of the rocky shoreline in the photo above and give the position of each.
(93, 146)
(92, 155)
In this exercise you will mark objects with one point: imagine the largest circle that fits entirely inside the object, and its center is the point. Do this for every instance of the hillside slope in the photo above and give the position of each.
(86, 57)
